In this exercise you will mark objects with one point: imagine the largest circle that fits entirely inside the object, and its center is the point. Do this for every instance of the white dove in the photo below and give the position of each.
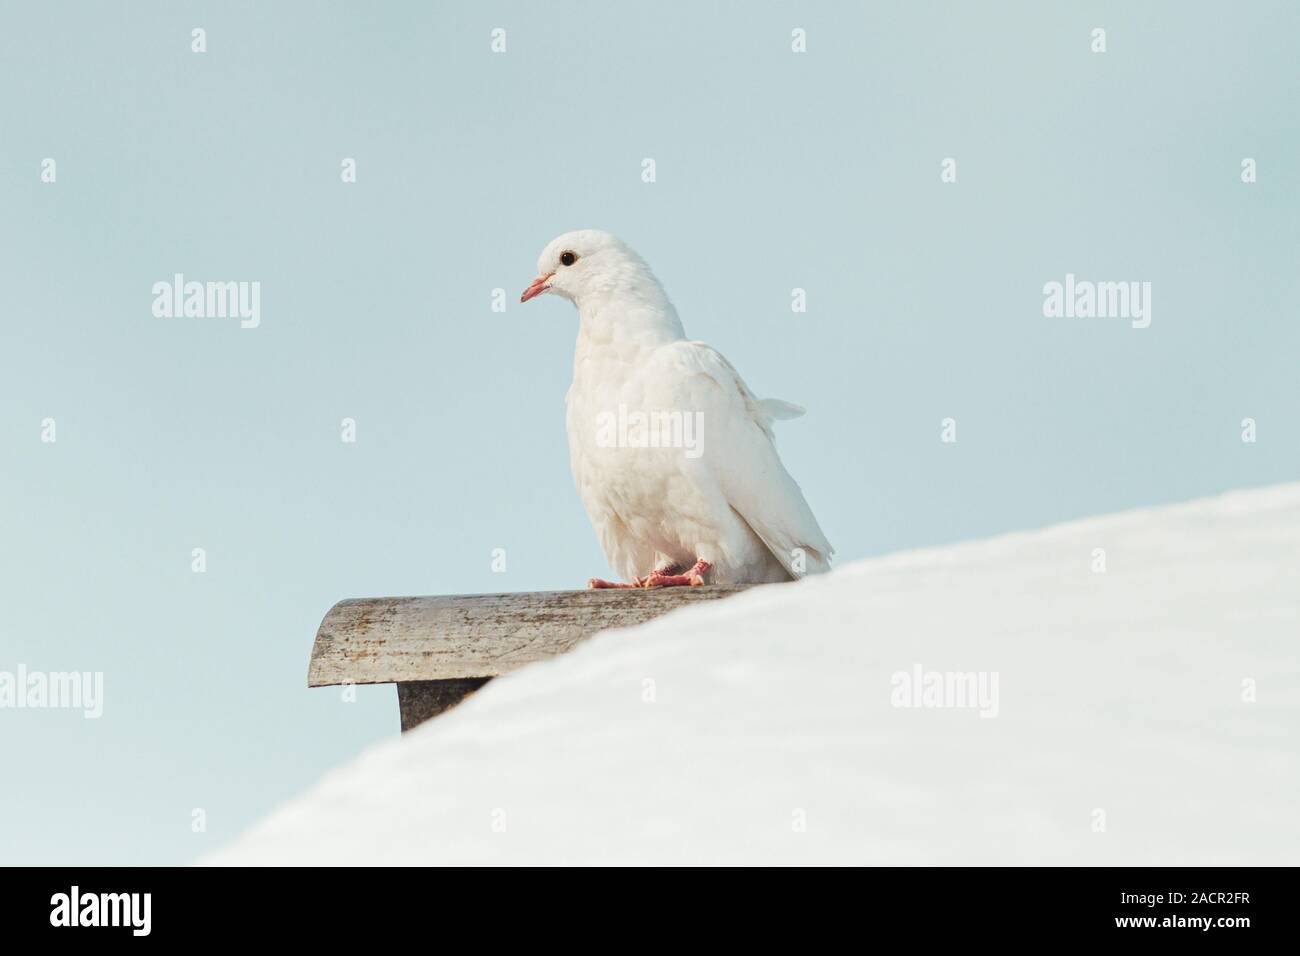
(671, 452)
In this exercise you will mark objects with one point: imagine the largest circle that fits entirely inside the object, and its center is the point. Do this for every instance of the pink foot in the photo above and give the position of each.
(666, 569)
(692, 578)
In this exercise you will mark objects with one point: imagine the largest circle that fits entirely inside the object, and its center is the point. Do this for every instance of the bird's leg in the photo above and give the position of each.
(664, 569)
(692, 578)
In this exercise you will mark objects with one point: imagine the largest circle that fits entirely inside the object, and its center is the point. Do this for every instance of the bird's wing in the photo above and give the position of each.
(739, 450)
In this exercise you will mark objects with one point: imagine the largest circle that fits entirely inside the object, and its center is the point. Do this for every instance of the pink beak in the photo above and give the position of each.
(537, 288)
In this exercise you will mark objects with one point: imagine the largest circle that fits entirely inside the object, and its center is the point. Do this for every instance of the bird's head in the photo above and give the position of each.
(587, 266)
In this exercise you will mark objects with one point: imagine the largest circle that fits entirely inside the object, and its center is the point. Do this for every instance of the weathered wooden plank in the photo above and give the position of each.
(382, 640)
(419, 700)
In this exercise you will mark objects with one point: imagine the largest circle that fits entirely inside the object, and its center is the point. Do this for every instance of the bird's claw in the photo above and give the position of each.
(661, 578)
(672, 580)
(693, 578)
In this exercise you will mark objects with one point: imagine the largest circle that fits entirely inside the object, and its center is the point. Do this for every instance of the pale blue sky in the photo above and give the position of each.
(775, 170)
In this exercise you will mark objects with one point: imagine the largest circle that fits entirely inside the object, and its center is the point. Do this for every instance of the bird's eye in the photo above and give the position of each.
(568, 258)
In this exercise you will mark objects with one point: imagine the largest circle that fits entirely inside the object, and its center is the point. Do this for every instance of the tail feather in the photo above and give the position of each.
(780, 411)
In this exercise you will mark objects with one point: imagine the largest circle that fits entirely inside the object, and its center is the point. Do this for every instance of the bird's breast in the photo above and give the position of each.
(636, 455)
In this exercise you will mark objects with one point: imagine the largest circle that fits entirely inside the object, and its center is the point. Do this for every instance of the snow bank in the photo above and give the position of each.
(1147, 714)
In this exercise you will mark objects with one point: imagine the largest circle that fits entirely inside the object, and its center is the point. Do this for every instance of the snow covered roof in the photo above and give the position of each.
(1118, 690)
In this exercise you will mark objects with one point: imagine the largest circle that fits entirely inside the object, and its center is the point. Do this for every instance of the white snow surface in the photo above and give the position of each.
(769, 732)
